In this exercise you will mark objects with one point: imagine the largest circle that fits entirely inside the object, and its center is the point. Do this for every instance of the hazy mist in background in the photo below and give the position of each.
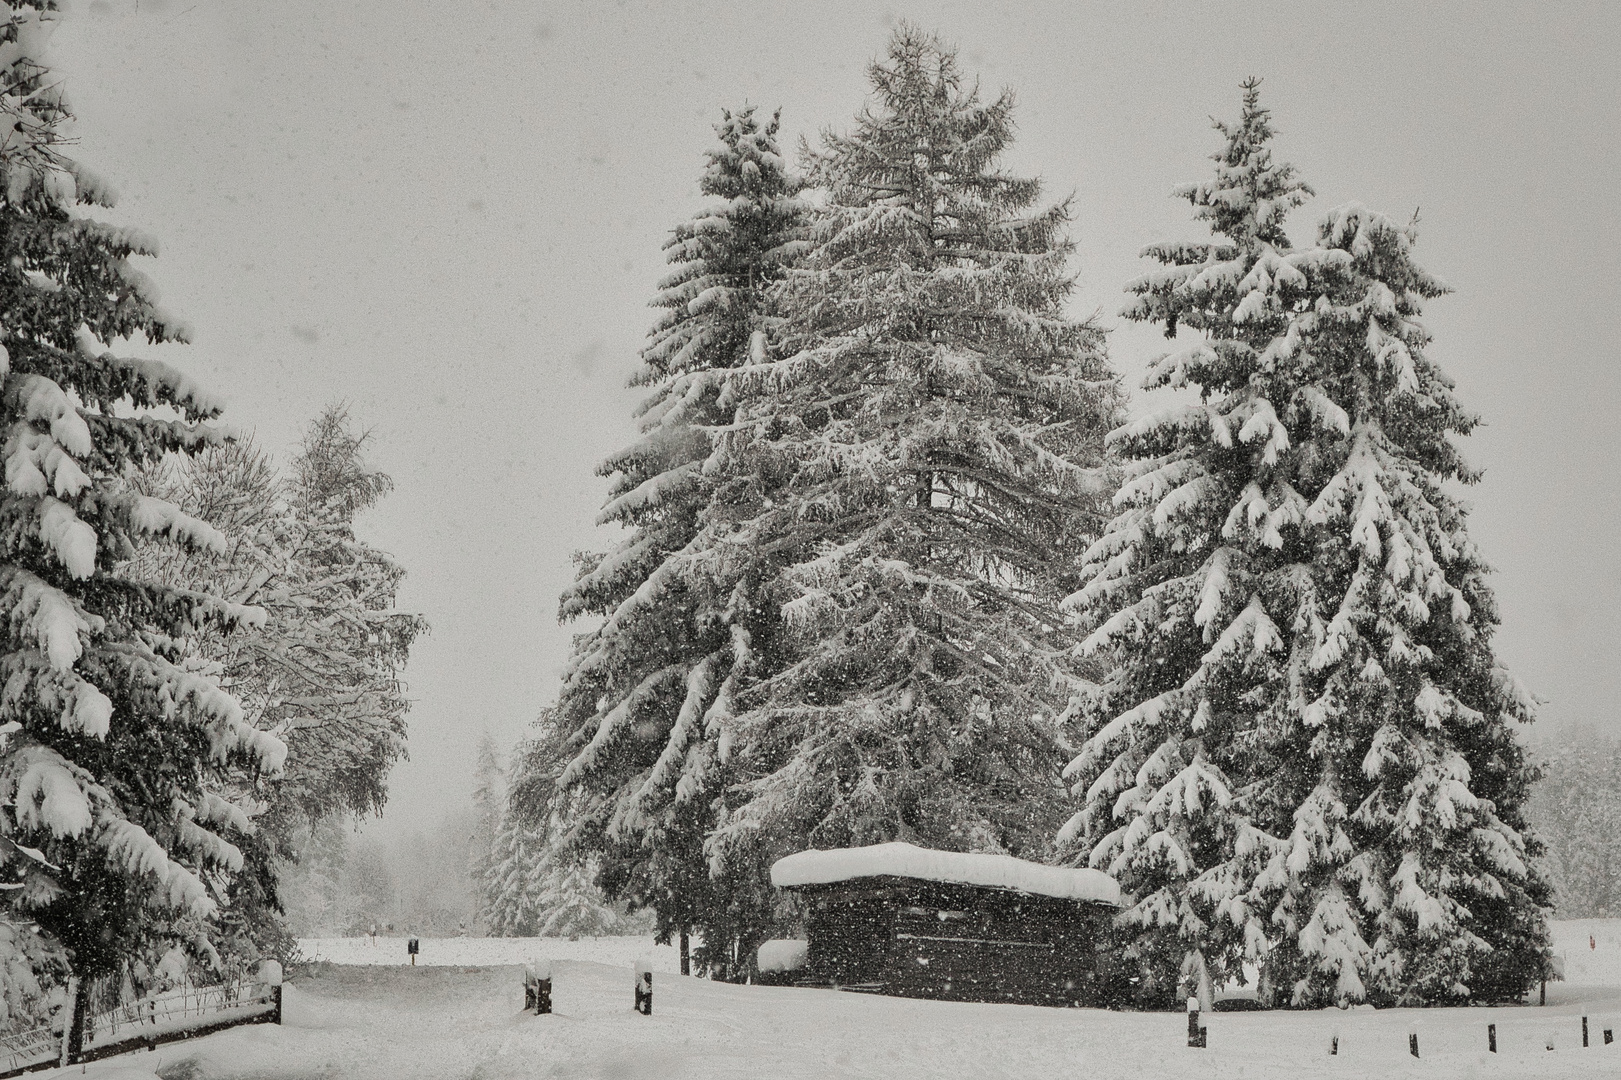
(450, 217)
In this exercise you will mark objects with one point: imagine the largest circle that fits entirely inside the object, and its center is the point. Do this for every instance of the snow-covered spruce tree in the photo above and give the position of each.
(926, 440)
(489, 802)
(1302, 754)
(513, 879)
(570, 904)
(111, 834)
(1177, 727)
(648, 694)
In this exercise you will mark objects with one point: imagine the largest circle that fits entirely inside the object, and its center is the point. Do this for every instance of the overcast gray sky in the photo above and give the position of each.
(449, 215)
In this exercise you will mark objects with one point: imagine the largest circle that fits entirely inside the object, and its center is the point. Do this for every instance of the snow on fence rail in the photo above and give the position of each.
(30, 1049)
(183, 1012)
(178, 1010)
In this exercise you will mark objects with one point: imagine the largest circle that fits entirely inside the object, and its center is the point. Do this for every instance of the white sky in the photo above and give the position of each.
(449, 215)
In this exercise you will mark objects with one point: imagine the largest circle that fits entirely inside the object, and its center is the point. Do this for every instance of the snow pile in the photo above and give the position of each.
(906, 860)
(783, 954)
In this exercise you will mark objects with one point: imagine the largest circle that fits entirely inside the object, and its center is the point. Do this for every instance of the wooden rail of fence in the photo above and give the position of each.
(181, 1013)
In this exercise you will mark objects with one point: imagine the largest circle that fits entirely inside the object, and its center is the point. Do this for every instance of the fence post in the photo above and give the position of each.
(1584, 1033)
(411, 947)
(644, 987)
(1334, 1044)
(1412, 1039)
(270, 975)
(1609, 1036)
(68, 1020)
(1195, 1030)
(537, 987)
(1491, 1037)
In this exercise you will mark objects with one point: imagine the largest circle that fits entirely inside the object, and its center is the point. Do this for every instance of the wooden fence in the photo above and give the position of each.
(181, 1013)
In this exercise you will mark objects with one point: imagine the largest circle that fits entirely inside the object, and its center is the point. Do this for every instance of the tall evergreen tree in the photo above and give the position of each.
(489, 802)
(323, 672)
(924, 442)
(1166, 807)
(1303, 753)
(646, 700)
(112, 744)
(513, 878)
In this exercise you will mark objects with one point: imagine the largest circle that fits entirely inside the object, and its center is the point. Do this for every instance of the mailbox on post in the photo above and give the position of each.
(411, 947)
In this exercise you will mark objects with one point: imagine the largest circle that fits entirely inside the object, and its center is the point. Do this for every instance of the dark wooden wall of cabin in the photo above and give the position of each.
(958, 942)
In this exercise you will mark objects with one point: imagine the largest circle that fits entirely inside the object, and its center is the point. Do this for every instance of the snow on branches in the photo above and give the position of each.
(110, 742)
(1302, 754)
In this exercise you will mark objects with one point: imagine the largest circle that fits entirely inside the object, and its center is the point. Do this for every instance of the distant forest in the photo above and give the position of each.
(1576, 811)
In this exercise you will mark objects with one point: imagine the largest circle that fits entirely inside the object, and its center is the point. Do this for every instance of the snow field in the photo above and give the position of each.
(396, 1023)
(492, 952)
(369, 1016)
(1590, 950)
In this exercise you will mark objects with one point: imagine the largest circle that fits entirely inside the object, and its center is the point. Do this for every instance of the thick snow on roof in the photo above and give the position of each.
(906, 860)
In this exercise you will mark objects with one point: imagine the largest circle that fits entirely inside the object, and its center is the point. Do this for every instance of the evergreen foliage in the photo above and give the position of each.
(570, 904)
(513, 879)
(489, 799)
(646, 696)
(534, 881)
(1302, 754)
(922, 444)
(114, 744)
(1576, 812)
(323, 671)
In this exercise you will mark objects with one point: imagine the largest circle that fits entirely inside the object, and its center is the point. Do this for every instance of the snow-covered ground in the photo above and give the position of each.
(477, 951)
(457, 1016)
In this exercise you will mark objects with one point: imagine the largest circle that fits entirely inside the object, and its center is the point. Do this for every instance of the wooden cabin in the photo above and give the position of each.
(903, 920)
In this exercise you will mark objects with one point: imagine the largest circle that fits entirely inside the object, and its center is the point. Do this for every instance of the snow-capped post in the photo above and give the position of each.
(411, 947)
(270, 976)
(537, 987)
(1491, 1038)
(1196, 1030)
(644, 987)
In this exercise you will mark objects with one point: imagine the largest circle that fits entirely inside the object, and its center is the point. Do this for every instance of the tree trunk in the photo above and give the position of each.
(81, 1013)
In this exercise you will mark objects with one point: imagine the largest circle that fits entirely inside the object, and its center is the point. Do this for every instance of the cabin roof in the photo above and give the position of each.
(817, 867)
